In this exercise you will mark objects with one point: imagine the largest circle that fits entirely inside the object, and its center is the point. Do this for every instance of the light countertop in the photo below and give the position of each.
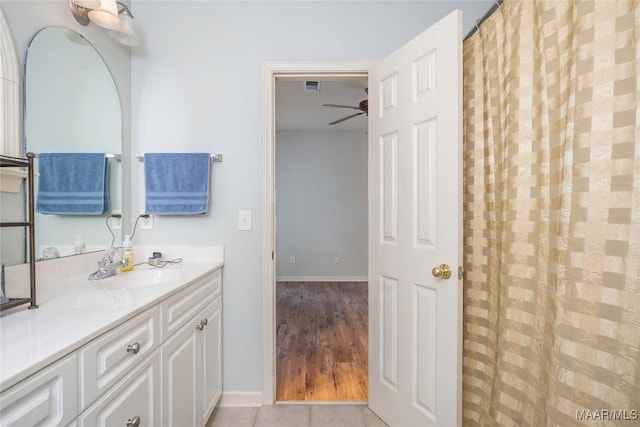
(80, 311)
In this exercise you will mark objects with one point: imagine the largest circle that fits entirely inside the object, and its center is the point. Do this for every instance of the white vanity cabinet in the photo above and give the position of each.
(191, 358)
(47, 398)
(161, 367)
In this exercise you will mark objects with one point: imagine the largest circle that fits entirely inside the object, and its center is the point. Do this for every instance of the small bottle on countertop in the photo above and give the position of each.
(127, 245)
(79, 246)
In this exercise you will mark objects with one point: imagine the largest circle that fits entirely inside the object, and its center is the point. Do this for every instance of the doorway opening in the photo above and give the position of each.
(321, 222)
(272, 71)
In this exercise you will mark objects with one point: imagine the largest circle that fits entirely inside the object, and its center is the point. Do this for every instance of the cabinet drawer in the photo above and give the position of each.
(47, 398)
(107, 359)
(181, 307)
(137, 396)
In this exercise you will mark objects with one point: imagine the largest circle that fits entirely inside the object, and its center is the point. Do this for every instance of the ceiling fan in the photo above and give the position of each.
(363, 107)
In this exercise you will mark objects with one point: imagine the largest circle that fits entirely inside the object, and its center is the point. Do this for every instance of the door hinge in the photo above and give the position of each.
(460, 273)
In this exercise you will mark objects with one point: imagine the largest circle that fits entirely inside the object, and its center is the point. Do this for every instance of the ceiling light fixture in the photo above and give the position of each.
(110, 14)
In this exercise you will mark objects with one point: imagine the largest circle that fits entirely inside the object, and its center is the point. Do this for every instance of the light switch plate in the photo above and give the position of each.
(244, 220)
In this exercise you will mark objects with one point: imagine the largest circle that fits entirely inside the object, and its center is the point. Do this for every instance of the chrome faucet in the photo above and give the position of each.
(108, 266)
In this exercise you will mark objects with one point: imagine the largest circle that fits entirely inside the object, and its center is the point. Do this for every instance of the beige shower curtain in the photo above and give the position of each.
(552, 215)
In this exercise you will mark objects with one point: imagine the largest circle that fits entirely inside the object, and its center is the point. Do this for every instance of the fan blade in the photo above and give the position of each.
(340, 106)
(345, 118)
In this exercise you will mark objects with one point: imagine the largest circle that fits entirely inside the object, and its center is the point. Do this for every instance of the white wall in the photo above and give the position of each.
(197, 86)
(321, 206)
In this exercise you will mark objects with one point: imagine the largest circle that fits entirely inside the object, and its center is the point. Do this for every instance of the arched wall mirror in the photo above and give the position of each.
(72, 105)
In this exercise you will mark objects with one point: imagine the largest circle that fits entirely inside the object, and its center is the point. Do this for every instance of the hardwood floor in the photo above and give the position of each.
(322, 341)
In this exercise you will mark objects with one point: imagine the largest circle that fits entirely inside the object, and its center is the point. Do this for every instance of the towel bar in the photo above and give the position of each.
(118, 157)
(214, 157)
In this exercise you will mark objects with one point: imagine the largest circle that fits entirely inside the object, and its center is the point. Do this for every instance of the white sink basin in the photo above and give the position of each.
(141, 277)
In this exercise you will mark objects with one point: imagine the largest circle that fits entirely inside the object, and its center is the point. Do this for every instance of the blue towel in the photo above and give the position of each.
(72, 184)
(176, 183)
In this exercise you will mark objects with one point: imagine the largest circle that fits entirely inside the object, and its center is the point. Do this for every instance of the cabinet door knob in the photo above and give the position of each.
(205, 321)
(200, 325)
(133, 422)
(133, 348)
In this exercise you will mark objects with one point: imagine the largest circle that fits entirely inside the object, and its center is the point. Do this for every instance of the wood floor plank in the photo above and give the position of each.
(322, 341)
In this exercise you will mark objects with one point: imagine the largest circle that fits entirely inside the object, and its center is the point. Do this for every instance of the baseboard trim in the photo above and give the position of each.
(240, 399)
(322, 278)
(321, 402)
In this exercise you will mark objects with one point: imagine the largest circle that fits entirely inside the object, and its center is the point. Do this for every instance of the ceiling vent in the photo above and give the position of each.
(311, 86)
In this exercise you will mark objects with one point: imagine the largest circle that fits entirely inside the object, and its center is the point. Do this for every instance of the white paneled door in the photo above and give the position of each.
(415, 217)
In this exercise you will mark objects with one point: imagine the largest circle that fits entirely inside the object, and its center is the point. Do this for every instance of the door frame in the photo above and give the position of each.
(270, 71)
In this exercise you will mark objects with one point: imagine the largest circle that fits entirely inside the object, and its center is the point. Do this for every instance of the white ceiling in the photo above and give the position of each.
(297, 110)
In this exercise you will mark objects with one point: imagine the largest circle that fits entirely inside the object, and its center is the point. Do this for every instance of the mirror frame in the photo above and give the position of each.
(9, 79)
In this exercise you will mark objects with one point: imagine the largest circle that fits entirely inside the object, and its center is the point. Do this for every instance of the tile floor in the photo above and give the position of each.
(292, 415)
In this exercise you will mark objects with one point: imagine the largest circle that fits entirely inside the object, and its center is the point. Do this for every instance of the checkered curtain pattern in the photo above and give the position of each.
(552, 215)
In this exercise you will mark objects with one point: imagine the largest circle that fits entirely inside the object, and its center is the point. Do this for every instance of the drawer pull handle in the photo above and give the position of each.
(133, 422)
(133, 348)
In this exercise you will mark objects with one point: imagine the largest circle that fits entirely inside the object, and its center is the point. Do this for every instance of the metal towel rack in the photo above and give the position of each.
(214, 157)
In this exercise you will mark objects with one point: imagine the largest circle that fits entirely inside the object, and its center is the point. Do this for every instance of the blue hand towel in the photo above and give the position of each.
(72, 184)
(176, 183)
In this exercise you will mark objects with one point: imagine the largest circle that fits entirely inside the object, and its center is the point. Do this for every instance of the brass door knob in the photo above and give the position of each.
(443, 271)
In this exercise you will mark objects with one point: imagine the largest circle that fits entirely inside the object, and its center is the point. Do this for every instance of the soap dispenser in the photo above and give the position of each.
(127, 246)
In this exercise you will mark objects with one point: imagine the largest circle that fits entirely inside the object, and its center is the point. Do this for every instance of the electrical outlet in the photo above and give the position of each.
(337, 260)
(146, 223)
(292, 260)
(116, 223)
